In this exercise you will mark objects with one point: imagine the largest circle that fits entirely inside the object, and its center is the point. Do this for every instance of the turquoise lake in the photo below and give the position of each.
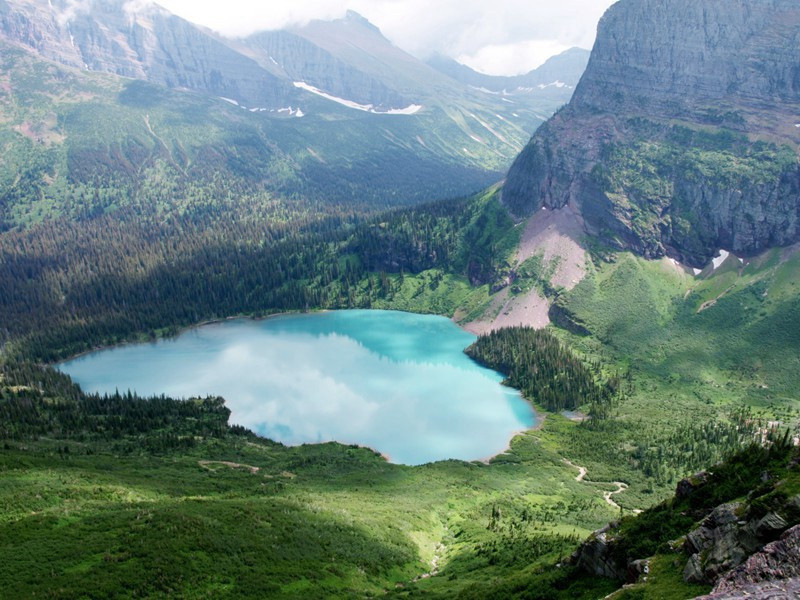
(396, 382)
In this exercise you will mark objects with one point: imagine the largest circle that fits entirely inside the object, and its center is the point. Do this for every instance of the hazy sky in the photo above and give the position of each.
(493, 36)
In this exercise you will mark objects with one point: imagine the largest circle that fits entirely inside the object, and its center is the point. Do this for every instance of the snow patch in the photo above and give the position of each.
(229, 100)
(411, 109)
(507, 100)
(408, 110)
(557, 83)
(275, 62)
(515, 115)
(723, 256)
(797, 125)
(291, 112)
(477, 139)
(697, 272)
(485, 91)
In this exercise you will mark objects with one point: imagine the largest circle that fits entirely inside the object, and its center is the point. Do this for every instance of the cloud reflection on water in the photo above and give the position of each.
(395, 382)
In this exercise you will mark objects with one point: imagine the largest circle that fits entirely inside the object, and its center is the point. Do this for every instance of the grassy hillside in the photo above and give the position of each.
(77, 143)
(185, 507)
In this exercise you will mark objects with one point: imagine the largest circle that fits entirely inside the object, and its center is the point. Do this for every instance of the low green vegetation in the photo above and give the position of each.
(149, 497)
(176, 503)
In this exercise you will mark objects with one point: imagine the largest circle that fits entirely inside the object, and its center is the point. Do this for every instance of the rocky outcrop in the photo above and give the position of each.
(769, 573)
(680, 138)
(596, 556)
(732, 535)
(722, 542)
(733, 547)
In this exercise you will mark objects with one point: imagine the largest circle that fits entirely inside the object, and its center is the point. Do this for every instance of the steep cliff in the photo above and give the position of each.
(150, 43)
(681, 137)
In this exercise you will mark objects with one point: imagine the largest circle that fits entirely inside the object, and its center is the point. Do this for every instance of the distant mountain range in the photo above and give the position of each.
(331, 111)
(559, 73)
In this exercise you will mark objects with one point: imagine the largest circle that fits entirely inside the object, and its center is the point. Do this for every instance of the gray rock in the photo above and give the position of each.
(693, 571)
(686, 487)
(595, 557)
(772, 573)
(770, 526)
(725, 65)
(638, 569)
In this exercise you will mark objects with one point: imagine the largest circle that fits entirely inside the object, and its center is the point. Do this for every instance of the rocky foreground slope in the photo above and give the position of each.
(681, 137)
(735, 527)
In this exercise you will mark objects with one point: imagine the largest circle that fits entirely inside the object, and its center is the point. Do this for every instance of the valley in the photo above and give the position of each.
(635, 276)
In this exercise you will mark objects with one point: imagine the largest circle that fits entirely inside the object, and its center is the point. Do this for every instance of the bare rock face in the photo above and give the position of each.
(720, 543)
(681, 136)
(150, 44)
(596, 556)
(772, 573)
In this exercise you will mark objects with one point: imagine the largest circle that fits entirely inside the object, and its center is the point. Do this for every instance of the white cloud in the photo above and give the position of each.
(504, 36)
(72, 9)
(514, 58)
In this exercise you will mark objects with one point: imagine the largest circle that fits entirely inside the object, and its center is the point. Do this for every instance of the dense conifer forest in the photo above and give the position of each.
(549, 374)
(66, 286)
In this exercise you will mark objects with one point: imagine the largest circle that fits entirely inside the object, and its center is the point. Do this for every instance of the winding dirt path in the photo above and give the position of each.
(437, 557)
(607, 496)
(208, 464)
(581, 470)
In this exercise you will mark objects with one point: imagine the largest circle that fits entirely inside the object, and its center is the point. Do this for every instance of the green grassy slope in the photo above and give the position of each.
(77, 143)
(338, 521)
(730, 334)
(196, 511)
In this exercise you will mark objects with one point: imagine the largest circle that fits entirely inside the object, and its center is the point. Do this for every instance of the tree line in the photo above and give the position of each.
(546, 371)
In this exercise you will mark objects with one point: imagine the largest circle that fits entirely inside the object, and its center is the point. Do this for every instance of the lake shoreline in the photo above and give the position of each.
(379, 332)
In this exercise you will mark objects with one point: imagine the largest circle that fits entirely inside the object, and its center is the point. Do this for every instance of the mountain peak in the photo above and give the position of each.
(357, 19)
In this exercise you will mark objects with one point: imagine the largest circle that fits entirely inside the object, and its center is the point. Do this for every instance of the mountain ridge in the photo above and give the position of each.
(709, 163)
(330, 111)
(565, 68)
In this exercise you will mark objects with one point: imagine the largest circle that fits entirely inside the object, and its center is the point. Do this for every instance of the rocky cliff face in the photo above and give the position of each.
(149, 44)
(681, 137)
(767, 574)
